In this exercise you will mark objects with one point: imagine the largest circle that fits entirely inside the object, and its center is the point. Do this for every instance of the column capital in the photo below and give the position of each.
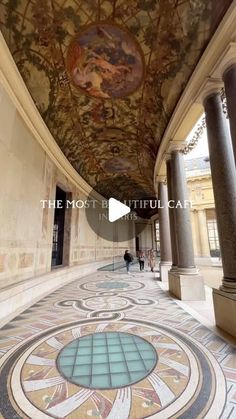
(225, 61)
(214, 83)
(229, 67)
(210, 87)
(173, 145)
(176, 151)
(161, 179)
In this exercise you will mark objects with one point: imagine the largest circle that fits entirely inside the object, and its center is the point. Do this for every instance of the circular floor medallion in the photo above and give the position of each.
(119, 285)
(107, 360)
(187, 380)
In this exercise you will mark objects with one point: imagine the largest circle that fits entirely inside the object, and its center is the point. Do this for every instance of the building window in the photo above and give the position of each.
(213, 238)
(157, 236)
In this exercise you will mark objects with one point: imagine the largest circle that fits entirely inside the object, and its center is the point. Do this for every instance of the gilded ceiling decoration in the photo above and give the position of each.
(106, 75)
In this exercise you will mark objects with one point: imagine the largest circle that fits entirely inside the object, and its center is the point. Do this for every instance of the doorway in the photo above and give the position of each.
(137, 243)
(58, 228)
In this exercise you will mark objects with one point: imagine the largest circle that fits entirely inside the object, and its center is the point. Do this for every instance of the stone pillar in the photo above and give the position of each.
(224, 186)
(171, 217)
(203, 234)
(165, 243)
(229, 77)
(196, 234)
(186, 282)
(183, 221)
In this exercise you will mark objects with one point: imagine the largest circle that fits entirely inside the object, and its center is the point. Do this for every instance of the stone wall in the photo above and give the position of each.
(27, 176)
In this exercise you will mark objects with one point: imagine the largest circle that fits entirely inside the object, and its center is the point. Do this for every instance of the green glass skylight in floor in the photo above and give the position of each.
(107, 360)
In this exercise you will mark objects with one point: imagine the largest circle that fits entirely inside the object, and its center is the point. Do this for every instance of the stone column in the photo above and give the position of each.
(203, 234)
(196, 235)
(165, 243)
(224, 187)
(229, 77)
(183, 221)
(171, 217)
(186, 283)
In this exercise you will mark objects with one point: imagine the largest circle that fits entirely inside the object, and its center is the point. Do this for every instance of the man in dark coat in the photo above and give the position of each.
(128, 260)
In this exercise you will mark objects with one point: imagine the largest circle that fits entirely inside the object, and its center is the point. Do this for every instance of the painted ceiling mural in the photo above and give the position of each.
(106, 75)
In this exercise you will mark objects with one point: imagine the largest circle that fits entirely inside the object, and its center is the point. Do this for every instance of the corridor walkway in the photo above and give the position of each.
(113, 345)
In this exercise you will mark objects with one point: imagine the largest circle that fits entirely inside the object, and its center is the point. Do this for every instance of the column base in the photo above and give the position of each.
(189, 287)
(164, 269)
(228, 286)
(225, 310)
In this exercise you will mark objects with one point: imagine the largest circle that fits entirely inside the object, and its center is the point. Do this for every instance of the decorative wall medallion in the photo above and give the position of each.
(105, 61)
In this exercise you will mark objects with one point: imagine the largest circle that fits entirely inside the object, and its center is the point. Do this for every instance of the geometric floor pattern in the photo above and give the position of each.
(113, 345)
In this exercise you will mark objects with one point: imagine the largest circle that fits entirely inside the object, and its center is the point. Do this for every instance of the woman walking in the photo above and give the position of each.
(152, 260)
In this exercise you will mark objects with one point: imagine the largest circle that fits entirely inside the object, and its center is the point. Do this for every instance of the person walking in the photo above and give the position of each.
(152, 260)
(128, 260)
(141, 260)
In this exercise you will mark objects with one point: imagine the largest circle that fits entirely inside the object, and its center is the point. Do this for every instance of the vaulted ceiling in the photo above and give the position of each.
(106, 75)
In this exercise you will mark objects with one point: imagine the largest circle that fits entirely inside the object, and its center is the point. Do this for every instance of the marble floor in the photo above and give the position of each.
(113, 345)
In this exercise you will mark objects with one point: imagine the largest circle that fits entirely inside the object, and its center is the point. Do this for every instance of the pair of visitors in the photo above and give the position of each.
(128, 260)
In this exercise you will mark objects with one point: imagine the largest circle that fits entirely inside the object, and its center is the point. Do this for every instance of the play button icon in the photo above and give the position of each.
(117, 210)
(110, 218)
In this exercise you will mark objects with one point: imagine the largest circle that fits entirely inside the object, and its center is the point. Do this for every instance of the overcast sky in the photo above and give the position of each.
(201, 150)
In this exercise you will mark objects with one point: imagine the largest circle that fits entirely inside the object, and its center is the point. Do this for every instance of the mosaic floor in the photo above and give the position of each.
(114, 346)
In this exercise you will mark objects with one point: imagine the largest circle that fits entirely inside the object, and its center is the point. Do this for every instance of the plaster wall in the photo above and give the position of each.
(27, 176)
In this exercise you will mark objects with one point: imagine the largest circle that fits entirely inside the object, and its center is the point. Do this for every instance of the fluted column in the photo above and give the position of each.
(165, 243)
(229, 78)
(171, 216)
(183, 221)
(224, 186)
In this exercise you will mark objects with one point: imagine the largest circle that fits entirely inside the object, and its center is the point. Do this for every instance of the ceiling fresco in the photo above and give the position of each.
(106, 75)
(105, 62)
